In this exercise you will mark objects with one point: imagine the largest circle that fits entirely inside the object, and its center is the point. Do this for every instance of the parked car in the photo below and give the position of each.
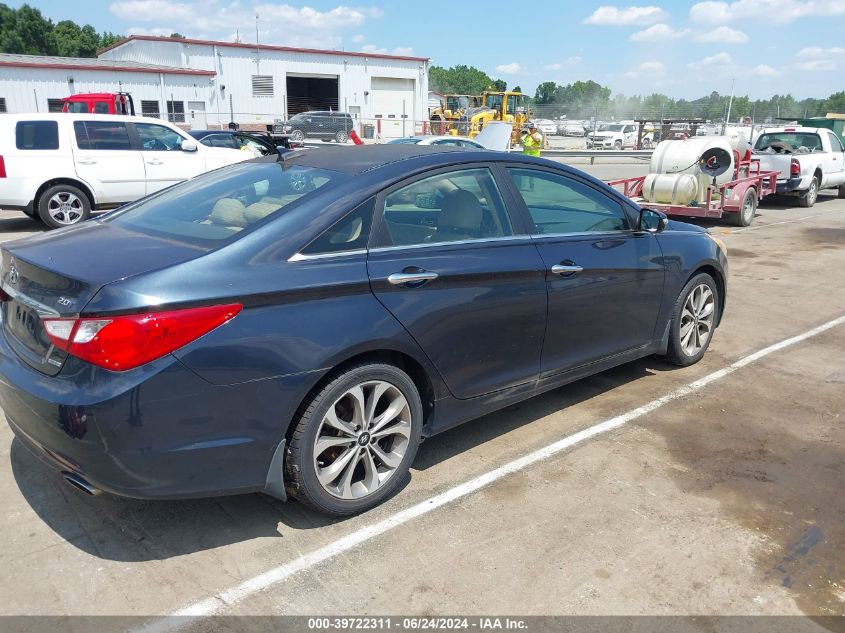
(297, 324)
(325, 125)
(256, 145)
(546, 126)
(808, 160)
(615, 136)
(454, 141)
(570, 128)
(58, 167)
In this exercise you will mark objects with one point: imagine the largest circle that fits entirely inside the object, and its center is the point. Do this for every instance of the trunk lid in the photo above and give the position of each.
(57, 274)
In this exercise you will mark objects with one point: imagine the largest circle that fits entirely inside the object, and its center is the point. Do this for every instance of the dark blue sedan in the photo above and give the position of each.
(296, 324)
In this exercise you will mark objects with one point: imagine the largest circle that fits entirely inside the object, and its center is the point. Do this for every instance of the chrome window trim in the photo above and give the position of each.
(299, 257)
(481, 240)
(627, 232)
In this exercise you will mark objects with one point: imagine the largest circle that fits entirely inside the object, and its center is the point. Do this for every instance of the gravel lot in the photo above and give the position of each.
(727, 499)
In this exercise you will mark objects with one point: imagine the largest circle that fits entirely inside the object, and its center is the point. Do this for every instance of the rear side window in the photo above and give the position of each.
(37, 135)
(214, 207)
(350, 233)
(101, 135)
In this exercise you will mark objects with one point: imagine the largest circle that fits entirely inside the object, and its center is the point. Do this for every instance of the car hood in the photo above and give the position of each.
(496, 135)
(675, 225)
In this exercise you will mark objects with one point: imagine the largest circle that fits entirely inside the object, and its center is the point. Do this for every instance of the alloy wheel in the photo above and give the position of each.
(697, 319)
(362, 439)
(65, 207)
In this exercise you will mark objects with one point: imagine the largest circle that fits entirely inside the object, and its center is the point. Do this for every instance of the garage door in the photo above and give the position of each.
(311, 92)
(390, 99)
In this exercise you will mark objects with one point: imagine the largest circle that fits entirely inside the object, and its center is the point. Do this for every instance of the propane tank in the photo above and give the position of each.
(678, 189)
(682, 157)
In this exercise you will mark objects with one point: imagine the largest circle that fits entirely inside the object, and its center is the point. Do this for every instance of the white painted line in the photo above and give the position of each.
(757, 227)
(276, 575)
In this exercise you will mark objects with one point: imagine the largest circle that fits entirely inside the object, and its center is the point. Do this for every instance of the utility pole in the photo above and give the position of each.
(730, 103)
(257, 46)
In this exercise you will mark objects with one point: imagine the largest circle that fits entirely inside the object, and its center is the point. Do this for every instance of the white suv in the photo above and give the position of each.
(61, 166)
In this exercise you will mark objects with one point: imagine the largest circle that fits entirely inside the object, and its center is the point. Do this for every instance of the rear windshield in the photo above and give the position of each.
(215, 207)
(795, 142)
(37, 135)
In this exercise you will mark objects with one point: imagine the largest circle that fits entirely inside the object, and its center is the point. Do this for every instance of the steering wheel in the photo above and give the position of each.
(155, 145)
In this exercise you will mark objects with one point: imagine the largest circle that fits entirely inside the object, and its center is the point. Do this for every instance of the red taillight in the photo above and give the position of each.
(2, 167)
(794, 168)
(128, 341)
(4, 296)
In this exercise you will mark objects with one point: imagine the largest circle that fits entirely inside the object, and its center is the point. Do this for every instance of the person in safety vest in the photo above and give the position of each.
(531, 141)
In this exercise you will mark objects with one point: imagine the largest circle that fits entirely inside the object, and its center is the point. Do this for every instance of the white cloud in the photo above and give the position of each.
(721, 35)
(379, 50)
(657, 33)
(508, 69)
(714, 62)
(812, 52)
(647, 69)
(615, 16)
(358, 38)
(161, 31)
(780, 11)
(817, 65)
(569, 61)
(764, 70)
(221, 19)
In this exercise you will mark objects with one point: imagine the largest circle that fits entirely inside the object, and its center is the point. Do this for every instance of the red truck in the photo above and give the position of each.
(99, 103)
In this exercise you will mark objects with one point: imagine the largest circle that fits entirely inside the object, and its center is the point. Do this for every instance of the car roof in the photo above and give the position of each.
(358, 159)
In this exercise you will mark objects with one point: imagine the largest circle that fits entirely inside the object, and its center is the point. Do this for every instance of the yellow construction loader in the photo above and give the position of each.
(509, 107)
(446, 118)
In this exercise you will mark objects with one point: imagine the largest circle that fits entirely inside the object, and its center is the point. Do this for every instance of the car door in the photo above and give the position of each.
(463, 279)
(836, 161)
(605, 280)
(103, 157)
(630, 135)
(165, 163)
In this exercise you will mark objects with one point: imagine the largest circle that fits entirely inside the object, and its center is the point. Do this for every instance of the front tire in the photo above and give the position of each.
(746, 212)
(808, 198)
(63, 205)
(617, 145)
(693, 321)
(297, 136)
(341, 136)
(354, 441)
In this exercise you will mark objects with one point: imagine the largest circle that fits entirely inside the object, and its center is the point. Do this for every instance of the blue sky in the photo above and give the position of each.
(683, 49)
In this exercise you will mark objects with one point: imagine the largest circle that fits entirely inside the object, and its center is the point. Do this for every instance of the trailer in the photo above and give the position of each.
(736, 199)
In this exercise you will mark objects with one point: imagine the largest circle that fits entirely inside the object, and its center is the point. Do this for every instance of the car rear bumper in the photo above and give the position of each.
(793, 184)
(154, 433)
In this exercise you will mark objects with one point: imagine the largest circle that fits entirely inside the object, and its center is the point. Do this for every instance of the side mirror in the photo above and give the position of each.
(652, 221)
(189, 146)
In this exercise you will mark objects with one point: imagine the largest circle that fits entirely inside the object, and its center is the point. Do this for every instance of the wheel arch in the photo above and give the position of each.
(721, 286)
(404, 361)
(64, 181)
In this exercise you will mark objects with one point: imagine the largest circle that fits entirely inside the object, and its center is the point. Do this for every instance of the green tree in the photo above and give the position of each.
(73, 41)
(499, 85)
(177, 36)
(108, 38)
(461, 80)
(33, 33)
(545, 93)
(516, 89)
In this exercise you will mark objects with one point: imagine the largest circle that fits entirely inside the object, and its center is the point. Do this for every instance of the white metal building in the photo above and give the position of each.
(30, 83)
(208, 84)
(257, 84)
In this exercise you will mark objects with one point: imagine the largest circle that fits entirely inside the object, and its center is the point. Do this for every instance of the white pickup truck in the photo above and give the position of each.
(808, 160)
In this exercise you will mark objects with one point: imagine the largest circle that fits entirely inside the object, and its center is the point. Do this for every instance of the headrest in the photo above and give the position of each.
(228, 212)
(461, 210)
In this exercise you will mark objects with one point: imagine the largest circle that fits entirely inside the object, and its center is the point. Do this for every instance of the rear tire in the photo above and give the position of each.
(297, 136)
(63, 205)
(841, 193)
(808, 198)
(746, 212)
(693, 321)
(354, 441)
(341, 136)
